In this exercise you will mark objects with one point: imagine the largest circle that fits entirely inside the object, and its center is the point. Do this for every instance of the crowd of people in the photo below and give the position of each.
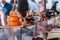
(21, 6)
(24, 6)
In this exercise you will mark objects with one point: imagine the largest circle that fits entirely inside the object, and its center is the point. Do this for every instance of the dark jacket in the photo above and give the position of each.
(8, 7)
(23, 7)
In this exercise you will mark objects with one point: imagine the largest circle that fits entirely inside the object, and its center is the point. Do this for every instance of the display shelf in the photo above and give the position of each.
(28, 27)
(11, 26)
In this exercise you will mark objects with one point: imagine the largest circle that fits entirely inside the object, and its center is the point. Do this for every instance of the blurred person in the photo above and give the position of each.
(4, 33)
(32, 5)
(41, 6)
(13, 4)
(6, 6)
(54, 6)
(53, 11)
(12, 1)
(23, 7)
(2, 17)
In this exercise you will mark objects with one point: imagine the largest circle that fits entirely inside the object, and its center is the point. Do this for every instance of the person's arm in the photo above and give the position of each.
(3, 18)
